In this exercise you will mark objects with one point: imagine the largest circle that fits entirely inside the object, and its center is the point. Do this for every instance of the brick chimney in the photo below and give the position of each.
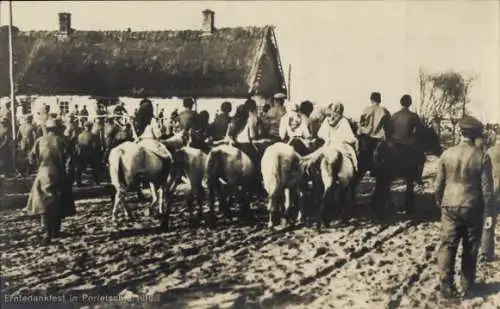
(208, 21)
(65, 23)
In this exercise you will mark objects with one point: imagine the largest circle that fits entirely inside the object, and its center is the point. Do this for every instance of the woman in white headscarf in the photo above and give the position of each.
(336, 131)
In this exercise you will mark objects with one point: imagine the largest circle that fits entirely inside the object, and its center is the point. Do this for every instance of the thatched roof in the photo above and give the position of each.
(225, 63)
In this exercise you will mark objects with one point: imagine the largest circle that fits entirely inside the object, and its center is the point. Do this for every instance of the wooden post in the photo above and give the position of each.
(12, 90)
(289, 84)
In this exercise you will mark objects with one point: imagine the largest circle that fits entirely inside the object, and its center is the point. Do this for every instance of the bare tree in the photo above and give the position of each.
(443, 95)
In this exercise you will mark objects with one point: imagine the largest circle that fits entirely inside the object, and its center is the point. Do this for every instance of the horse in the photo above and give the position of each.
(282, 173)
(189, 162)
(146, 159)
(230, 171)
(334, 182)
(393, 161)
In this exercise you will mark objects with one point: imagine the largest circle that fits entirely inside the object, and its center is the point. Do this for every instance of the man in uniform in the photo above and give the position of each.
(274, 115)
(374, 127)
(26, 137)
(87, 154)
(5, 148)
(406, 130)
(463, 191)
(51, 194)
(84, 114)
(488, 241)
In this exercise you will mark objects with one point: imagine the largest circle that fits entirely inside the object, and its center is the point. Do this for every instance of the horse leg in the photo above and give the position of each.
(116, 201)
(246, 213)
(211, 201)
(165, 218)
(200, 196)
(272, 208)
(161, 199)
(410, 196)
(154, 199)
(189, 206)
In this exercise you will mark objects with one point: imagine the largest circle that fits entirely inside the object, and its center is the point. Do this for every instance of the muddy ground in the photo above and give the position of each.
(366, 263)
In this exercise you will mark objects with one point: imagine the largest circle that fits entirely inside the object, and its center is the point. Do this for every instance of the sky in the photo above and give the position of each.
(338, 50)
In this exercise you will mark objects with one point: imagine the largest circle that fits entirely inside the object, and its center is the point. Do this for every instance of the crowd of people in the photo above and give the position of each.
(467, 180)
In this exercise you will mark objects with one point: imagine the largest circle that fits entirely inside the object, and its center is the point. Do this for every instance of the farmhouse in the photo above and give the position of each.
(68, 66)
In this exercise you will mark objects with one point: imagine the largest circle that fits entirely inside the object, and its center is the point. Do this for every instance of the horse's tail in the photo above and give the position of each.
(271, 170)
(213, 166)
(116, 168)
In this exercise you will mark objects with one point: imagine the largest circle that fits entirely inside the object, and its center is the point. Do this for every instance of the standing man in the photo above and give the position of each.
(374, 127)
(488, 241)
(84, 113)
(26, 137)
(87, 154)
(274, 115)
(5, 148)
(51, 195)
(463, 191)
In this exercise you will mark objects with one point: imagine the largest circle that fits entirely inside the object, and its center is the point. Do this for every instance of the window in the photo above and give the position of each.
(64, 106)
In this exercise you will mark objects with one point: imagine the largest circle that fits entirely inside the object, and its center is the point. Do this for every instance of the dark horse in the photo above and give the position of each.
(389, 161)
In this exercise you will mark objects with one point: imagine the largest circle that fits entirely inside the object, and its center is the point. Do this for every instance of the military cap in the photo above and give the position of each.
(279, 96)
(470, 124)
(375, 96)
(51, 123)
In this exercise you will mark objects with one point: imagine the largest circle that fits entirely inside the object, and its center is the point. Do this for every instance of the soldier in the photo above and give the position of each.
(374, 127)
(27, 136)
(51, 195)
(221, 122)
(463, 191)
(488, 241)
(87, 154)
(5, 148)
(84, 114)
(274, 115)
(406, 129)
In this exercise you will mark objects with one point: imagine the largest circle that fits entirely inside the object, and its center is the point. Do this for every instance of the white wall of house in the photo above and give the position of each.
(210, 105)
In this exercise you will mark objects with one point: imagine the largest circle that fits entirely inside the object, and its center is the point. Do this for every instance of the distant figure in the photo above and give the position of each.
(6, 166)
(464, 188)
(221, 122)
(26, 136)
(51, 194)
(84, 113)
(87, 154)
(76, 112)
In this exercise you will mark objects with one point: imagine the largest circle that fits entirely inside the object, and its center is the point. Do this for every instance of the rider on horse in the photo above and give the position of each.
(294, 129)
(406, 131)
(374, 127)
(337, 132)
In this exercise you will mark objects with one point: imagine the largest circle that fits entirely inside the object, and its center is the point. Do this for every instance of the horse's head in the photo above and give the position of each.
(430, 141)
